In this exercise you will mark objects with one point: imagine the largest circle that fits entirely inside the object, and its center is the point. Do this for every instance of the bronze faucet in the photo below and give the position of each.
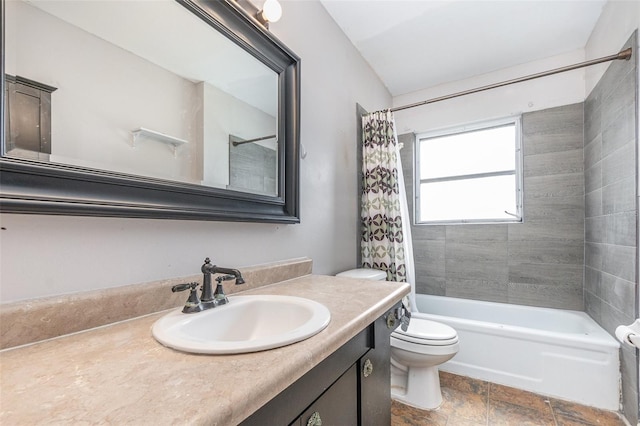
(208, 299)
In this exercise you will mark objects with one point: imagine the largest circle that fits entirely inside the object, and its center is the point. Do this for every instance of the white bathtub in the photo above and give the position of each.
(559, 353)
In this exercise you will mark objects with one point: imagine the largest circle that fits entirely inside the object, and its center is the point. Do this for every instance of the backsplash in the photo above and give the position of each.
(34, 320)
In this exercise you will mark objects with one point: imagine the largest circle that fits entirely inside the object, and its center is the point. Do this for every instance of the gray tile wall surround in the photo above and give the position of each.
(560, 185)
(577, 248)
(611, 200)
(539, 262)
(253, 167)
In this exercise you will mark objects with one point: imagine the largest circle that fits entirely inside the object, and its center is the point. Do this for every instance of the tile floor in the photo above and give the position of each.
(471, 402)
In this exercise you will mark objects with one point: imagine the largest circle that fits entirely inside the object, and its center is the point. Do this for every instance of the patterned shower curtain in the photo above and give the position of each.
(382, 236)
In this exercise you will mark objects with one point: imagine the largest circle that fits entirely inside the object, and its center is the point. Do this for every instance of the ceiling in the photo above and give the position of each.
(416, 44)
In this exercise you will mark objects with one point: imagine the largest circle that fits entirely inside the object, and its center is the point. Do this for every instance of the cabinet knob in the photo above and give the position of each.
(314, 420)
(367, 368)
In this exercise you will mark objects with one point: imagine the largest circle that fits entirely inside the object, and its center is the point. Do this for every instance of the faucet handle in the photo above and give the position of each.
(219, 296)
(183, 287)
(193, 303)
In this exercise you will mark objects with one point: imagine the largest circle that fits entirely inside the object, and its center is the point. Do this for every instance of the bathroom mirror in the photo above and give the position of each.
(183, 109)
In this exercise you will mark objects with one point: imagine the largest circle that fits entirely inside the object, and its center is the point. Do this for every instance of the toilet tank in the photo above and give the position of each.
(364, 274)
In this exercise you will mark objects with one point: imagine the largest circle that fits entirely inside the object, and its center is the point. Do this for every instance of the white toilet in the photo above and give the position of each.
(415, 354)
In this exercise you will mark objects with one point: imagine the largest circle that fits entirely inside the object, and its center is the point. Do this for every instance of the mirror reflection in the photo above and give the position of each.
(141, 88)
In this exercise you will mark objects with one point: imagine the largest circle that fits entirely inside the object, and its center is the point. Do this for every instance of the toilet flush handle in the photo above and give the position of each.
(405, 317)
(401, 313)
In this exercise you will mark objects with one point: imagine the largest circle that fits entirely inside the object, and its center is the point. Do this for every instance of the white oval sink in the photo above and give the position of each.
(246, 324)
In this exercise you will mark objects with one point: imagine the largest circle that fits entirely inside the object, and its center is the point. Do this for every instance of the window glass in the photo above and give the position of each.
(479, 151)
(469, 199)
(468, 175)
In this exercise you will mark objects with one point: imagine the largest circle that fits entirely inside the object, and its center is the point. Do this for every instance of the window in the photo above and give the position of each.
(470, 174)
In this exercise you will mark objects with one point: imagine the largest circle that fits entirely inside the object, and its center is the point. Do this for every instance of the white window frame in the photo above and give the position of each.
(517, 215)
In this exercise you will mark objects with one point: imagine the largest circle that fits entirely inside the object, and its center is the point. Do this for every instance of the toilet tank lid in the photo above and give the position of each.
(364, 274)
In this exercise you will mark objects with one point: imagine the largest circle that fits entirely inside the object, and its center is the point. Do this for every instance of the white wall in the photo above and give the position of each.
(104, 92)
(46, 255)
(225, 115)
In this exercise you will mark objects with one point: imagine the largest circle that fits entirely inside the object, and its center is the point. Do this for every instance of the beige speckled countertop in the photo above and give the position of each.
(118, 374)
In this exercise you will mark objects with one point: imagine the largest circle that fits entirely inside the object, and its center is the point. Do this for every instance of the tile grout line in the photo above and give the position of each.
(553, 412)
(488, 407)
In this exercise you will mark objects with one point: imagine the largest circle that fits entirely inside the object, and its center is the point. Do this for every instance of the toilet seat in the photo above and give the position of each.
(428, 333)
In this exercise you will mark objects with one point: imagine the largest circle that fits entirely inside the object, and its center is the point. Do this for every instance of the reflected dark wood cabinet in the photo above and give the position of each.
(27, 115)
(351, 387)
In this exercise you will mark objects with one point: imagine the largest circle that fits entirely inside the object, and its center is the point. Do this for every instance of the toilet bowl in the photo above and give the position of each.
(416, 354)
(415, 357)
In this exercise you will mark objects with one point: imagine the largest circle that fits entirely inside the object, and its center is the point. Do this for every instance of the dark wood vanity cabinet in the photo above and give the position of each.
(351, 387)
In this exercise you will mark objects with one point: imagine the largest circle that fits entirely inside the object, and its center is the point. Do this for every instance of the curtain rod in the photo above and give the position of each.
(262, 138)
(623, 54)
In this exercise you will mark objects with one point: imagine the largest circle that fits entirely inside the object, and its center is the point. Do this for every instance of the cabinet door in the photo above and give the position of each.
(375, 375)
(338, 406)
(28, 115)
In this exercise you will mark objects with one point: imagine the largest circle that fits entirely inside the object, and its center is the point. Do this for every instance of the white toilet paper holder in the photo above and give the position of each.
(629, 334)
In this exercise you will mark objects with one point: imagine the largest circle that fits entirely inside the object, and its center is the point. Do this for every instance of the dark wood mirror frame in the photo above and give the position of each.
(46, 188)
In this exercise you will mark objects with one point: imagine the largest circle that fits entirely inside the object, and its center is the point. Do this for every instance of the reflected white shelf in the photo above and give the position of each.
(157, 136)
